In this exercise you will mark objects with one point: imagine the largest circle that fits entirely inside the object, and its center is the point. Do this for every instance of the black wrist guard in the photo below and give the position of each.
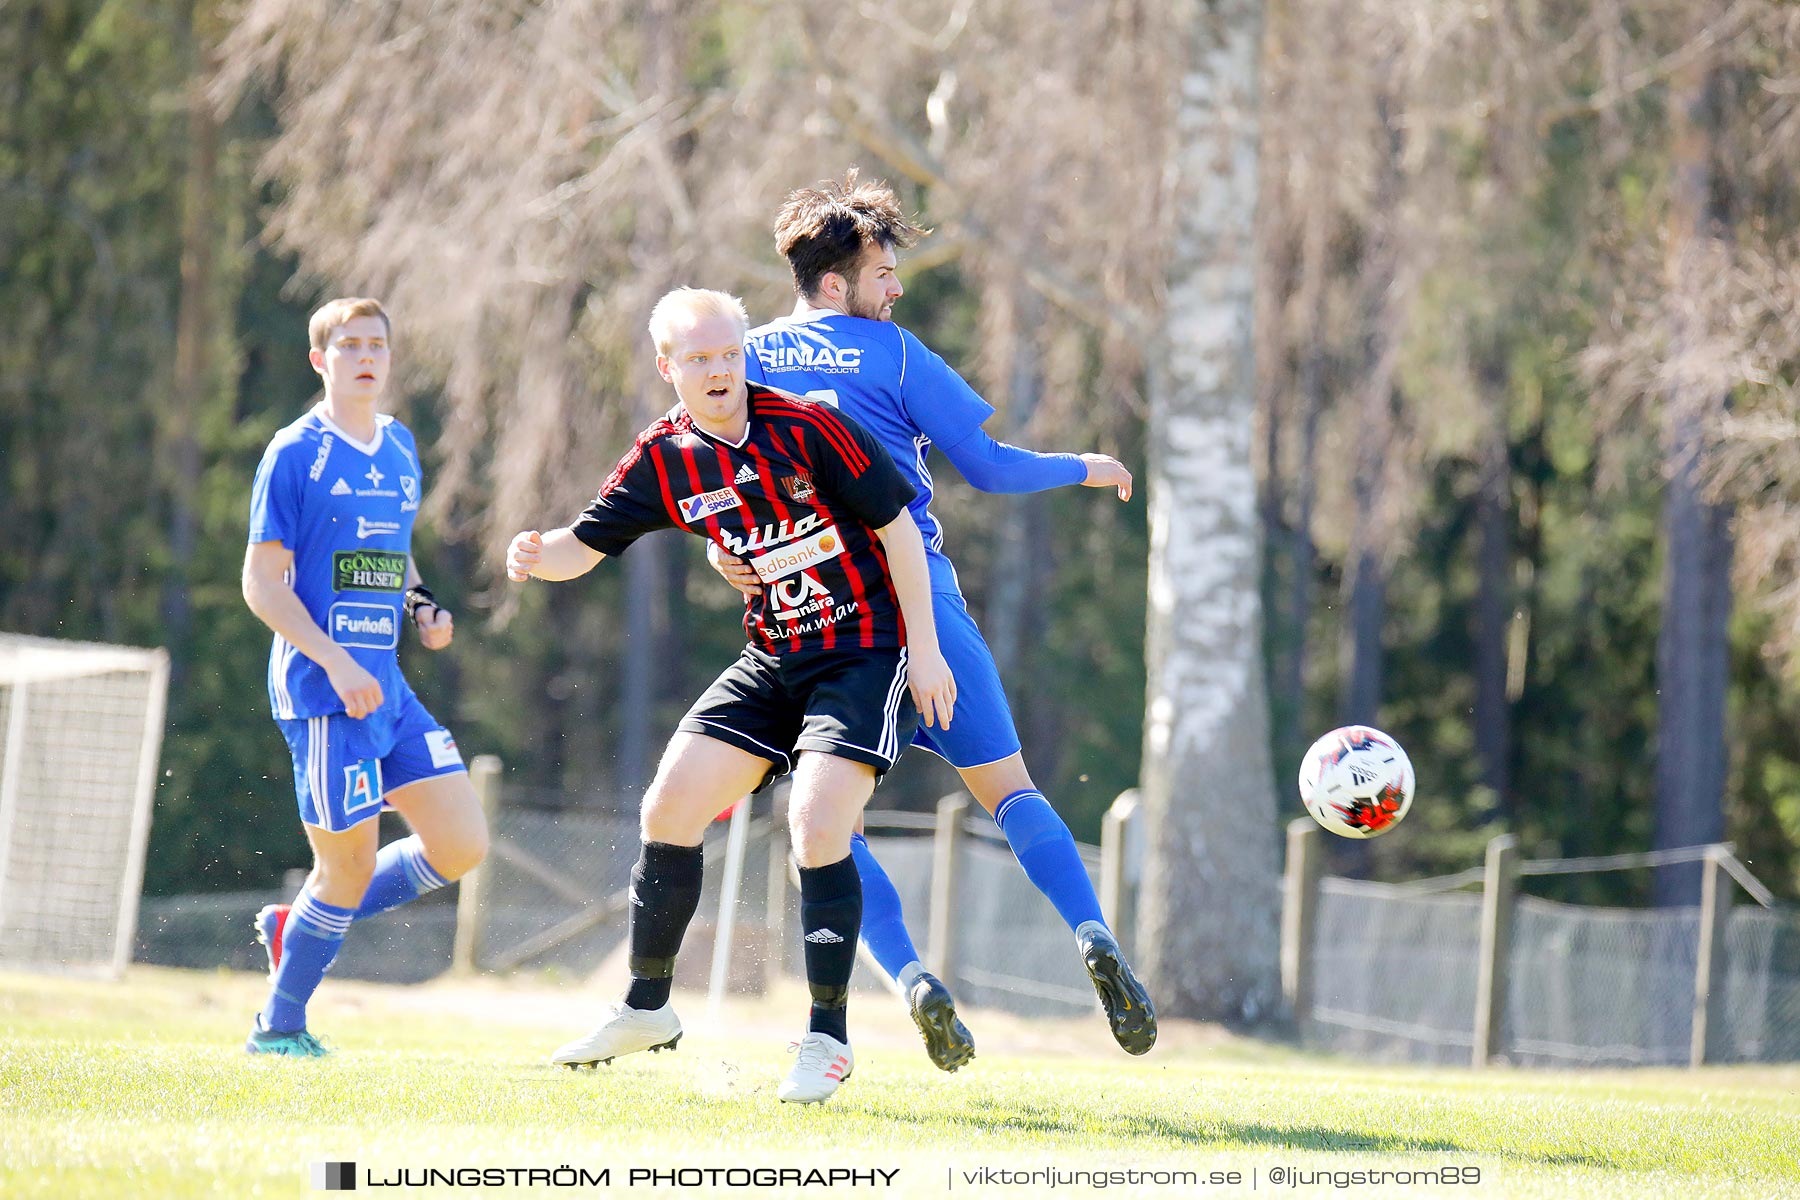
(417, 598)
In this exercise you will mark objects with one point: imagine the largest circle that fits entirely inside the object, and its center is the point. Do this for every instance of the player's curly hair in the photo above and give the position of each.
(826, 228)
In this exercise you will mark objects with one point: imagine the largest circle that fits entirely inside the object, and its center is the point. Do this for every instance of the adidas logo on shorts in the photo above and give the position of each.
(823, 937)
(746, 474)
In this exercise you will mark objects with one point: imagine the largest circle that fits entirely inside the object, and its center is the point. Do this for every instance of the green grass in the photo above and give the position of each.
(139, 1089)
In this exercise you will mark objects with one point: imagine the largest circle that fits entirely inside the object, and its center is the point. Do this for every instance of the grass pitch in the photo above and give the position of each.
(139, 1089)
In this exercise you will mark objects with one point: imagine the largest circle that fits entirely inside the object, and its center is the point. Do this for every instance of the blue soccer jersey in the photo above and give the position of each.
(887, 380)
(346, 510)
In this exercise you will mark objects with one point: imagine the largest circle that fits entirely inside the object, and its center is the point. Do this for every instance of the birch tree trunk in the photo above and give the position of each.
(1494, 593)
(1208, 914)
(647, 666)
(194, 334)
(1693, 650)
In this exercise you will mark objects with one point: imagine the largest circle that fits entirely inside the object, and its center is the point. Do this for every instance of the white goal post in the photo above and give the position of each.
(81, 728)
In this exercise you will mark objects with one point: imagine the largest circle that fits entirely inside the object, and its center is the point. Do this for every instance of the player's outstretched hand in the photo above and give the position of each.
(1106, 471)
(737, 572)
(436, 630)
(933, 687)
(525, 552)
(359, 690)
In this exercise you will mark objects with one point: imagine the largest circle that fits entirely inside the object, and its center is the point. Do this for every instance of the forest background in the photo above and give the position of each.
(1526, 332)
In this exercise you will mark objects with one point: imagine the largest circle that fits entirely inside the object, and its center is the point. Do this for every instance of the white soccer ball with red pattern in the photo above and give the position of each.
(1356, 782)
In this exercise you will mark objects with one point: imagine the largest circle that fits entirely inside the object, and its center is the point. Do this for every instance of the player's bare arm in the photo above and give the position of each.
(1106, 471)
(553, 556)
(272, 599)
(928, 675)
(434, 622)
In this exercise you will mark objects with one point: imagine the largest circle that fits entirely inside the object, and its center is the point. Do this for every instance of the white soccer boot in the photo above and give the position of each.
(625, 1031)
(821, 1062)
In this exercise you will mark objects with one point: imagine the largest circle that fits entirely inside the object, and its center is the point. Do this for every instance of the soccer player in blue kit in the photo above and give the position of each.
(841, 346)
(329, 568)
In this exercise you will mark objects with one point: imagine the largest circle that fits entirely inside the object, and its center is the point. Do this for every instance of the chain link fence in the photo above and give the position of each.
(1406, 972)
(1395, 975)
(553, 901)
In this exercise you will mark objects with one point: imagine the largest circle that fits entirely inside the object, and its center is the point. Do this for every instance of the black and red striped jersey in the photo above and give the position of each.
(800, 497)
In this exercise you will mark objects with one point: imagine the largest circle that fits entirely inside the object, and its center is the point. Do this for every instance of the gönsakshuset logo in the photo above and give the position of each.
(368, 571)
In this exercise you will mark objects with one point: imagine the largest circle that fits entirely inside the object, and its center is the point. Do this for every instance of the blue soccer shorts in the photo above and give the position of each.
(344, 767)
(981, 725)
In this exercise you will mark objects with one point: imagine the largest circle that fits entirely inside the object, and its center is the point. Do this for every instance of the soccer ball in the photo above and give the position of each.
(1356, 782)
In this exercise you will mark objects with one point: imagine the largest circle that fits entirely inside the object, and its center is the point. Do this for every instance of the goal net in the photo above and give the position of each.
(80, 731)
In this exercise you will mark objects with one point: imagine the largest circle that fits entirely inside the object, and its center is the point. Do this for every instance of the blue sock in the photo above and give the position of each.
(883, 924)
(1046, 849)
(309, 942)
(401, 874)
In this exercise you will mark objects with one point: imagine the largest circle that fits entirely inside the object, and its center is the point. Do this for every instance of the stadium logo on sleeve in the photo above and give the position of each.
(779, 564)
(698, 508)
(318, 465)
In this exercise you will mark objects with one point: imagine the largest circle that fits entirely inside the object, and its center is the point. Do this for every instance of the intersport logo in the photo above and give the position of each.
(696, 508)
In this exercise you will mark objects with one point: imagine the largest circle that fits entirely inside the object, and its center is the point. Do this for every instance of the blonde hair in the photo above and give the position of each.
(333, 313)
(687, 305)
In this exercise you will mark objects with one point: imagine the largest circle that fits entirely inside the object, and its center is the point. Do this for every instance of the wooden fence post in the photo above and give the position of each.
(1121, 861)
(484, 774)
(1498, 892)
(1707, 1043)
(1299, 914)
(737, 845)
(946, 864)
(775, 924)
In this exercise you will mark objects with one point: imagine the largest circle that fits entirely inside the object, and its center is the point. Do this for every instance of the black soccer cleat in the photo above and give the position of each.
(947, 1040)
(1127, 1004)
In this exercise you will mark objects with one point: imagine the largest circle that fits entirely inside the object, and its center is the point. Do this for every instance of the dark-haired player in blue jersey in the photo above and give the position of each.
(841, 346)
(330, 570)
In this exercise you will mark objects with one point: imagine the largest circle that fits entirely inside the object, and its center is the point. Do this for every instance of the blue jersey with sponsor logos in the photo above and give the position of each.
(887, 380)
(346, 510)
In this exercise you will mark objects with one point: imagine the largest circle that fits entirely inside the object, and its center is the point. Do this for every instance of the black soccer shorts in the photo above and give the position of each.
(852, 703)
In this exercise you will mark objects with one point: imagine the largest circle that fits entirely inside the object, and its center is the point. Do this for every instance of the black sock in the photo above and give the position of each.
(830, 918)
(665, 891)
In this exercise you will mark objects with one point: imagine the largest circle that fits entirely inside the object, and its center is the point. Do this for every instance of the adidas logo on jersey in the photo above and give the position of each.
(746, 474)
(340, 488)
(823, 937)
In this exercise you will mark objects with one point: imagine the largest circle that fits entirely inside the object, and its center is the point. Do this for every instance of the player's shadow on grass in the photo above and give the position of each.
(1035, 1118)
